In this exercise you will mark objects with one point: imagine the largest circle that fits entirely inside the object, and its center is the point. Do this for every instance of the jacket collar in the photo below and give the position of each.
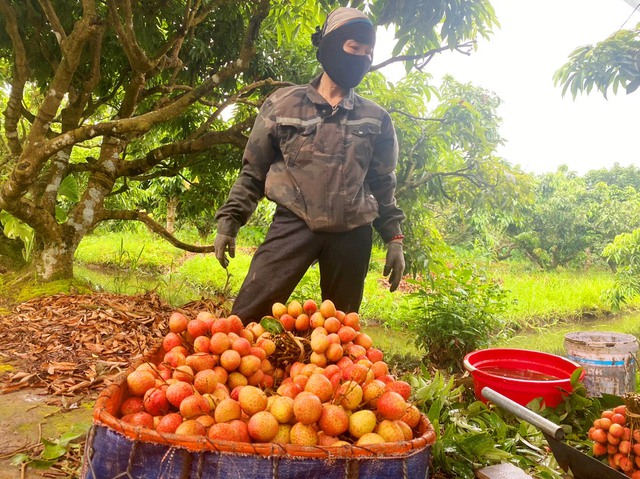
(313, 95)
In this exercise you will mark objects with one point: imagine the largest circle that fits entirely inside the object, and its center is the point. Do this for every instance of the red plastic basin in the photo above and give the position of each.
(520, 374)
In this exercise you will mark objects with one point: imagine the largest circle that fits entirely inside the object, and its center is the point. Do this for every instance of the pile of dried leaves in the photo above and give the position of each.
(77, 344)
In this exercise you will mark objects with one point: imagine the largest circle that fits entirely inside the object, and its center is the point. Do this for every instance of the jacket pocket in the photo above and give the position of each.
(294, 136)
(282, 188)
(363, 137)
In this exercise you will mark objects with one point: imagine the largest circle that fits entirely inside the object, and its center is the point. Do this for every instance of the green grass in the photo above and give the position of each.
(545, 305)
(549, 304)
(176, 271)
(543, 298)
(173, 288)
(552, 340)
(128, 250)
(390, 341)
(206, 272)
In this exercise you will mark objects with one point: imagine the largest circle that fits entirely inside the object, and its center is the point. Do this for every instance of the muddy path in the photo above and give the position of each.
(28, 416)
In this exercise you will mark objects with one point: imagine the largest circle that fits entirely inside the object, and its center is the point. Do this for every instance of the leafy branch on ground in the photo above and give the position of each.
(472, 434)
(63, 453)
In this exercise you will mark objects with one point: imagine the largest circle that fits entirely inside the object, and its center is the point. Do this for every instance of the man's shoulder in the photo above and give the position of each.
(288, 92)
(370, 106)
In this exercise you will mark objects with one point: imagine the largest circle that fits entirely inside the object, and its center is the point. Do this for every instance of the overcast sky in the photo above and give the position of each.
(542, 129)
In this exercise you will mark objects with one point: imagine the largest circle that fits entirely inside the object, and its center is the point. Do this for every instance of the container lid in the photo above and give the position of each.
(602, 339)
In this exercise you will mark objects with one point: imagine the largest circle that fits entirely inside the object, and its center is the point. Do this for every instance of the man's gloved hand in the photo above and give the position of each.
(394, 264)
(221, 245)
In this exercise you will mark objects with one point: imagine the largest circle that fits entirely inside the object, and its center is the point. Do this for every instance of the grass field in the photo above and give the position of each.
(543, 305)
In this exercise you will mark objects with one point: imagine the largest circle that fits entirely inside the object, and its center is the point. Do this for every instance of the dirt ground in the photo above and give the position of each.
(27, 416)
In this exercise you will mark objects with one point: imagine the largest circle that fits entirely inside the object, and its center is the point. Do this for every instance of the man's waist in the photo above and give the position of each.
(326, 221)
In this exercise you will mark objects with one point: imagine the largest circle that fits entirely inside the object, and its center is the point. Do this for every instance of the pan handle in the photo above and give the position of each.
(546, 426)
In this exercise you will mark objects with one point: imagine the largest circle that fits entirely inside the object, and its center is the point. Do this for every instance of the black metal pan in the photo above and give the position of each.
(581, 465)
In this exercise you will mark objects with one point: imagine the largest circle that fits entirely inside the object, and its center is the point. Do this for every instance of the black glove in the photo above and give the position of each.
(394, 264)
(221, 245)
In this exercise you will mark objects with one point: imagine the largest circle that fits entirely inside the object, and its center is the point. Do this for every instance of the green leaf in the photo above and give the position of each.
(633, 86)
(78, 431)
(61, 214)
(69, 189)
(14, 228)
(477, 444)
(42, 464)
(52, 450)
(575, 376)
(19, 459)
(272, 325)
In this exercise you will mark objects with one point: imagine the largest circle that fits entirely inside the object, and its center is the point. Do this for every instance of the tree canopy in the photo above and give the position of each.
(103, 98)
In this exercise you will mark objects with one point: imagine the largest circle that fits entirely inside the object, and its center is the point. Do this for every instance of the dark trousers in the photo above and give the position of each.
(288, 250)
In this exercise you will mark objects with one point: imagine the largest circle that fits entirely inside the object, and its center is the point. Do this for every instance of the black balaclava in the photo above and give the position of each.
(346, 69)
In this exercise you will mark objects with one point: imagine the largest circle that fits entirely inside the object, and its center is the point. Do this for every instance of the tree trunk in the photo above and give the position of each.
(54, 261)
(172, 208)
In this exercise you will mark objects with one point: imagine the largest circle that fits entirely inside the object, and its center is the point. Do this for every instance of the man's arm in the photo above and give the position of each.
(381, 179)
(248, 189)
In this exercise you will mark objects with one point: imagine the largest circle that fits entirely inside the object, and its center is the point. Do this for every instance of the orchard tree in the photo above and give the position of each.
(612, 63)
(449, 176)
(572, 220)
(617, 175)
(102, 97)
(624, 252)
(557, 227)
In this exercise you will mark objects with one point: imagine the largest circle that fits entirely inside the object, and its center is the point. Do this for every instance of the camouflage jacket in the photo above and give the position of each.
(334, 168)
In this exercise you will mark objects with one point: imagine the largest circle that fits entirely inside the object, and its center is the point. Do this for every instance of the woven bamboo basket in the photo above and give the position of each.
(117, 449)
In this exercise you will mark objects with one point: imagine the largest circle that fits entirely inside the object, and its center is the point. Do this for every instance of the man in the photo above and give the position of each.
(326, 157)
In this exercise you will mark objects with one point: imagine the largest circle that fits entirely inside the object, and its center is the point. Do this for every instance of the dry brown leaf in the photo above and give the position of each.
(73, 344)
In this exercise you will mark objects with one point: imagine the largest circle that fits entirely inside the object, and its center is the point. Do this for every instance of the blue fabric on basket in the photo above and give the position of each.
(109, 454)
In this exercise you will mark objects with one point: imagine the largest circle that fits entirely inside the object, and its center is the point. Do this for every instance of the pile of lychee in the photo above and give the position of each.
(217, 378)
(614, 438)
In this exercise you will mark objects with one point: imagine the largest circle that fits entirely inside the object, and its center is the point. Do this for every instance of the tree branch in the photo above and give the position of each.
(191, 20)
(412, 185)
(503, 251)
(131, 95)
(164, 89)
(254, 26)
(413, 117)
(54, 21)
(530, 253)
(137, 58)
(426, 56)
(83, 30)
(38, 150)
(33, 155)
(412, 163)
(143, 123)
(200, 16)
(167, 170)
(154, 226)
(154, 157)
(234, 99)
(26, 211)
(13, 111)
(92, 106)
(90, 84)
(50, 182)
